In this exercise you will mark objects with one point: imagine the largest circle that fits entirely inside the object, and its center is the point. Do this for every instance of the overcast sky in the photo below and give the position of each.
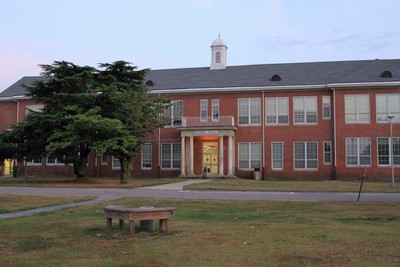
(159, 34)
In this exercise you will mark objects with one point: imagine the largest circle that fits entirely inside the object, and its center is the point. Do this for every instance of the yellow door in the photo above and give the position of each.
(7, 166)
(210, 157)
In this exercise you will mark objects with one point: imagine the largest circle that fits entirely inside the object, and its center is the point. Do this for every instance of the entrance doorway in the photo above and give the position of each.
(210, 158)
(7, 167)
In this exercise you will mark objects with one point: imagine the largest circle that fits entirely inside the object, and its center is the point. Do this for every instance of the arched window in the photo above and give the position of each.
(149, 83)
(218, 57)
(386, 74)
(276, 78)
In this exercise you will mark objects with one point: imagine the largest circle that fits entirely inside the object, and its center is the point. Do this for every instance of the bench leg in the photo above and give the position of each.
(109, 225)
(121, 224)
(164, 225)
(131, 229)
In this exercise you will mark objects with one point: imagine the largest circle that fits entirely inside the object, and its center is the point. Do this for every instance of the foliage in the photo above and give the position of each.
(87, 109)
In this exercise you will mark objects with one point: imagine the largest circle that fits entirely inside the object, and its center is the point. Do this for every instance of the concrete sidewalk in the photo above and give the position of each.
(173, 186)
(176, 186)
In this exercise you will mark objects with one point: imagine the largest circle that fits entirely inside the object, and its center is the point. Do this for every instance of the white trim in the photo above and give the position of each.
(151, 157)
(237, 89)
(330, 152)
(362, 84)
(272, 156)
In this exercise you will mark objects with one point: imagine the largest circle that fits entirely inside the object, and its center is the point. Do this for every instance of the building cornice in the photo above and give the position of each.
(363, 84)
(16, 97)
(238, 89)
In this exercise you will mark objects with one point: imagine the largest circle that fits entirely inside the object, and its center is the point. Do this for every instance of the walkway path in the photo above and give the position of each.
(175, 191)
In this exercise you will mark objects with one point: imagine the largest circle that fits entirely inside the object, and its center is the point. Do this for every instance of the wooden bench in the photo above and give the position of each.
(132, 214)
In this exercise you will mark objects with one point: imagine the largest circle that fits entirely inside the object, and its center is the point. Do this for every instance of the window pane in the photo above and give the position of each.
(203, 109)
(215, 109)
(326, 107)
(244, 155)
(277, 155)
(255, 110)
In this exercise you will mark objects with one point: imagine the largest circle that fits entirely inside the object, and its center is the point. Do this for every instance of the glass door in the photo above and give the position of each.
(210, 158)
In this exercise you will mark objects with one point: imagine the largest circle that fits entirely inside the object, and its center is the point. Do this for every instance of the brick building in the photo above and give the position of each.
(319, 120)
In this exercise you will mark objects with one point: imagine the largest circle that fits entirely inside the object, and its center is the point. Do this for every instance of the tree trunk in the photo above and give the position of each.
(126, 170)
(80, 168)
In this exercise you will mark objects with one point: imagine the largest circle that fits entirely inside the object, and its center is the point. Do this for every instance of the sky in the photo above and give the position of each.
(163, 34)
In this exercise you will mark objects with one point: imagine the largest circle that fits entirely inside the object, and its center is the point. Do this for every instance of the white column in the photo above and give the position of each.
(191, 157)
(183, 157)
(221, 156)
(230, 156)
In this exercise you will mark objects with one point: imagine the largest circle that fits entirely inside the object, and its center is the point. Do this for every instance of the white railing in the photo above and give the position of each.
(209, 121)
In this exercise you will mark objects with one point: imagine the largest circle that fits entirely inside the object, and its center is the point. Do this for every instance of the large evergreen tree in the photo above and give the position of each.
(124, 97)
(86, 109)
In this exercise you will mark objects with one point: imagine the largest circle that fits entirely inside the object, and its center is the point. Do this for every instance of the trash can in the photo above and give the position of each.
(257, 174)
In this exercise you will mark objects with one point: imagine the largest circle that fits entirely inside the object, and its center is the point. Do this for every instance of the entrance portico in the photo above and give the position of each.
(207, 151)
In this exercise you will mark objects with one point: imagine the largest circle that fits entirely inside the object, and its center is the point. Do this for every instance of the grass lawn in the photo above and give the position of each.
(11, 203)
(294, 186)
(84, 183)
(211, 233)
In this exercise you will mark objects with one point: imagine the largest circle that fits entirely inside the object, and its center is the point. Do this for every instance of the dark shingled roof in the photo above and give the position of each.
(17, 89)
(291, 74)
(315, 73)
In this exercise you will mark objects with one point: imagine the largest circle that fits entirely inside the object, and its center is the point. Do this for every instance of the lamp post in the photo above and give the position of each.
(390, 118)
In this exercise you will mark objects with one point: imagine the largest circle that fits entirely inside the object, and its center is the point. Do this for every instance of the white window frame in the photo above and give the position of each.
(215, 110)
(250, 110)
(33, 108)
(104, 160)
(275, 109)
(326, 106)
(385, 106)
(327, 153)
(34, 162)
(391, 143)
(360, 141)
(277, 158)
(147, 156)
(306, 111)
(253, 160)
(305, 156)
(116, 164)
(174, 113)
(203, 109)
(354, 101)
(55, 163)
(173, 163)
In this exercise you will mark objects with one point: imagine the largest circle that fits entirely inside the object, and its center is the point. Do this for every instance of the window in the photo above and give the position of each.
(203, 109)
(34, 161)
(53, 161)
(116, 164)
(305, 110)
(249, 155)
(175, 112)
(358, 151)
(171, 156)
(218, 57)
(146, 156)
(384, 151)
(357, 108)
(33, 108)
(215, 109)
(249, 111)
(327, 152)
(305, 155)
(326, 107)
(277, 110)
(104, 160)
(277, 155)
(387, 105)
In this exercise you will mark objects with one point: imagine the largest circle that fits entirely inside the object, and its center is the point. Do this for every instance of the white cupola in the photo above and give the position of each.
(218, 54)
